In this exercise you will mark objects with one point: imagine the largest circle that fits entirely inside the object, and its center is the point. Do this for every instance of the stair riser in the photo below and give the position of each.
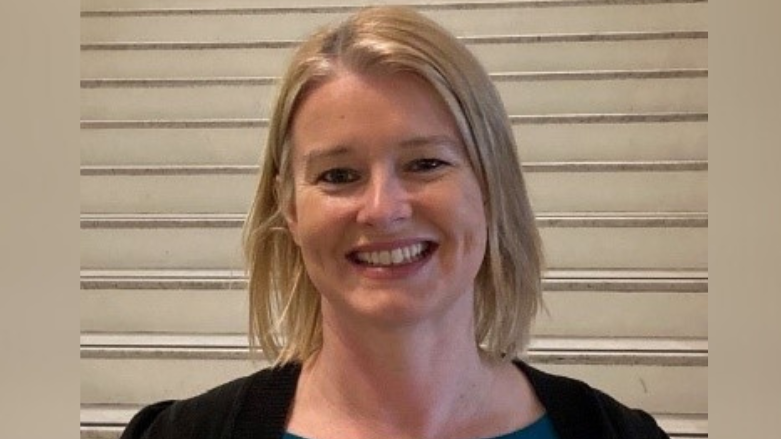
(631, 314)
(647, 95)
(471, 22)
(622, 191)
(509, 57)
(571, 313)
(101, 432)
(206, 248)
(670, 389)
(537, 143)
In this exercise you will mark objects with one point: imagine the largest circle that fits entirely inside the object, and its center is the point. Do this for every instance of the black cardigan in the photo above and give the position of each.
(257, 406)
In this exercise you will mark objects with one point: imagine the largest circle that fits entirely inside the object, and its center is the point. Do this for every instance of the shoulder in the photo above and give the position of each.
(627, 422)
(579, 410)
(202, 416)
(215, 413)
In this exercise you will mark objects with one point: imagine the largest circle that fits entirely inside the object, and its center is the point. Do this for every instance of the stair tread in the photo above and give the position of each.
(639, 275)
(562, 118)
(496, 76)
(548, 219)
(469, 40)
(543, 343)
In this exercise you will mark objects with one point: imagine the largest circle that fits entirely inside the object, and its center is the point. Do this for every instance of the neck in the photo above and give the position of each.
(419, 378)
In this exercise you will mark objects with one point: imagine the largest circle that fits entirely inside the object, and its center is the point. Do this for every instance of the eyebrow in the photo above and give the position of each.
(324, 153)
(431, 140)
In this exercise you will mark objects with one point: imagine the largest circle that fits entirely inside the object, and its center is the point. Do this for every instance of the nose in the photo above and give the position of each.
(385, 202)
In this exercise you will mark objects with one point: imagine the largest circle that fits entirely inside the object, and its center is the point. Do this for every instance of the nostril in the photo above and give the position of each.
(386, 203)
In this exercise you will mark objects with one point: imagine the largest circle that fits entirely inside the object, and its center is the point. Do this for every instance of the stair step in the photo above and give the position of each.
(561, 95)
(670, 241)
(641, 307)
(680, 186)
(106, 421)
(657, 375)
(551, 52)
(670, 141)
(229, 24)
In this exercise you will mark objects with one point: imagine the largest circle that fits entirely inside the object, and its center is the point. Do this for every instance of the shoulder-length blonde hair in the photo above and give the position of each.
(285, 320)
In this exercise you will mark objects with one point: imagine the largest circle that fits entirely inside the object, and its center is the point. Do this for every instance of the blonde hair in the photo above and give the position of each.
(285, 320)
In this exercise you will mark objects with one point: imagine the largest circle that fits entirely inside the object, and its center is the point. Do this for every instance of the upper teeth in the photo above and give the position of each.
(397, 256)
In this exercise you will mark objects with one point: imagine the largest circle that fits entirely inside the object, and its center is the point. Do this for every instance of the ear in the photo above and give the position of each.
(287, 206)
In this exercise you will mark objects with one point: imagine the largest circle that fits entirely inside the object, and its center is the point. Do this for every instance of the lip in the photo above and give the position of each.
(394, 271)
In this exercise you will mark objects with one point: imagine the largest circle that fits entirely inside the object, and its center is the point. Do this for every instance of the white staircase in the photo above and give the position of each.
(608, 100)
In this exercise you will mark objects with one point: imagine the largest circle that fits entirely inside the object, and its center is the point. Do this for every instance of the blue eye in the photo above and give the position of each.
(426, 165)
(338, 176)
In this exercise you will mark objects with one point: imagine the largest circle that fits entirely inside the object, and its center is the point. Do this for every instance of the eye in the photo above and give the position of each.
(338, 176)
(426, 165)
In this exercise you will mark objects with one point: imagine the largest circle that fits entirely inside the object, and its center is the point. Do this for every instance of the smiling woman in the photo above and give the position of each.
(375, 56)
(393, 259)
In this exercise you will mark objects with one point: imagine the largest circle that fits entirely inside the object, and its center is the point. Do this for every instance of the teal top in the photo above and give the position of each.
(540, 429)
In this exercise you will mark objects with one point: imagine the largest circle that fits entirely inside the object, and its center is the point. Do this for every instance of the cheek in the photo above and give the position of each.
(473, 211)
(320, 221)
(464, 215)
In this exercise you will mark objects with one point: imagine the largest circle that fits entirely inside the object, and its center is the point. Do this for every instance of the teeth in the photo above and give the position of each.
(397, 256)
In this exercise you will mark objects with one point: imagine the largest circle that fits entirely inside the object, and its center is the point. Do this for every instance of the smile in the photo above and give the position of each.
(398, 256)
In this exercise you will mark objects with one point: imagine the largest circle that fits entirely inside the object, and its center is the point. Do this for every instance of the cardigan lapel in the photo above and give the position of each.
(267, 402)
(569, 403)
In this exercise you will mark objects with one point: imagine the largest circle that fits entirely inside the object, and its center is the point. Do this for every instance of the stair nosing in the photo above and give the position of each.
(429, 6)
(580, 75)
(690, 281)
(548, 285)
(566, 274)
(157, 221)
(176, 340)
(535, 167)
(544, 119)
(469, 40)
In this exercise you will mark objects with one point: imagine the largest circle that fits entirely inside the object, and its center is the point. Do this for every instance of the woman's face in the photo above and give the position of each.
(387, 211)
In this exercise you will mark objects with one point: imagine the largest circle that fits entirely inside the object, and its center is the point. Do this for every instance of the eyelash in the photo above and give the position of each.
(328, 176)
(340, 176)
(428, 165)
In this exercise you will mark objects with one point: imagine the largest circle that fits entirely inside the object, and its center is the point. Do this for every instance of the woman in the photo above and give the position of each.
(393, 275)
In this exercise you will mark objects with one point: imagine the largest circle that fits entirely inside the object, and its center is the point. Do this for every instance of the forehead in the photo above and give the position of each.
(358, 108)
